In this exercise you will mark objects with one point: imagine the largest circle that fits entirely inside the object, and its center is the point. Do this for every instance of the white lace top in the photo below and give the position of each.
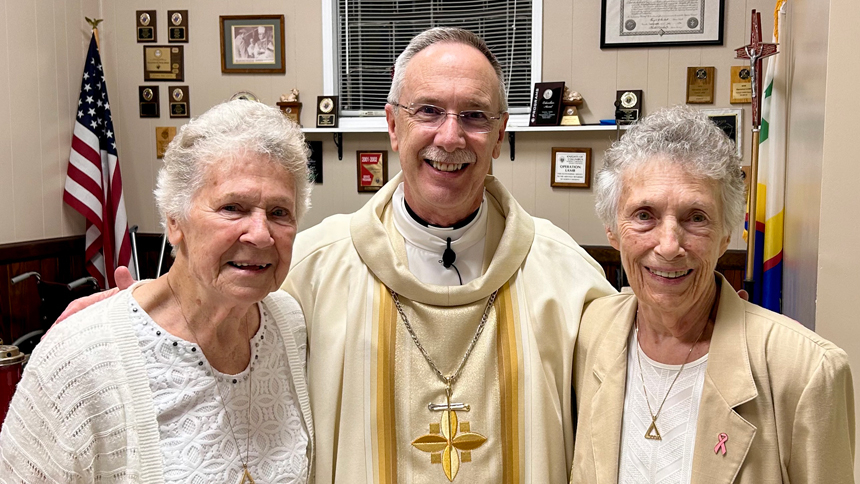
(195, 438)
(667, 461)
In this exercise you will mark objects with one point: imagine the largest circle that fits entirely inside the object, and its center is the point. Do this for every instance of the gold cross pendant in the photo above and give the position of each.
(656, 435)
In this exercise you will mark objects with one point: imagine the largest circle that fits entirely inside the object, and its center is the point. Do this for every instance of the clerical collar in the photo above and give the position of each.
(462, 223)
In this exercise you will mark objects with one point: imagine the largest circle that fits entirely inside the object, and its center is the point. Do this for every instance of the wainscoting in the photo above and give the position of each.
(62, 260)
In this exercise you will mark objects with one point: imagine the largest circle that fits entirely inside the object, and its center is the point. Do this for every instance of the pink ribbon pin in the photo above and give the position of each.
(721, 445)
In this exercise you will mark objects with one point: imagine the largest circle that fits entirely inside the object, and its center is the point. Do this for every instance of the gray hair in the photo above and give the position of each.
(685, 137)
(444, 34)
(228, 129)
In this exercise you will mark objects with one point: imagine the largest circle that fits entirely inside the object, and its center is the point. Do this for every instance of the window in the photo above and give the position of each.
(370, 34)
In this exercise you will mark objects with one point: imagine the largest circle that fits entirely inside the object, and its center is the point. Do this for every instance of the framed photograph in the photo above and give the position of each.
(372, 169)
(571, 168)
(731, 121)
(252, 44)
(646, 23)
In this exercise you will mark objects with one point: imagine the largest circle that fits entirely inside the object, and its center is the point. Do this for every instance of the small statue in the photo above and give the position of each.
(571, 98)
(292, 97)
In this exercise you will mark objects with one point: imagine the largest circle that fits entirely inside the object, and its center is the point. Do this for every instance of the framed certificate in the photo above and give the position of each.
(731, 122)
(571, 168)
(372, 169)
(655, 23)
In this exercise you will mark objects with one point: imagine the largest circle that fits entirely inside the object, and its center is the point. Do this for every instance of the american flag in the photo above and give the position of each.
(93, 181)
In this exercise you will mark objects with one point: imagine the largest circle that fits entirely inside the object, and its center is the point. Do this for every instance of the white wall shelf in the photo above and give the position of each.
(337, 133)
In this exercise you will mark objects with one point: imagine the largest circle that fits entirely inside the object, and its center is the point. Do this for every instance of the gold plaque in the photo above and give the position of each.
(146, 28)
(163, 136)
(163, 63)
(741, 92)
(700, 85)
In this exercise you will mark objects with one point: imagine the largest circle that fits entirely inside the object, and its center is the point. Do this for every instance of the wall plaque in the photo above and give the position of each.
(163, 136)
(741, 92)
(146, 31)
(180, 103)
(326, 111)
(177, 25)
(628, 106)
(163, 63)
(147, 97)
(700, 85)
(372, 170)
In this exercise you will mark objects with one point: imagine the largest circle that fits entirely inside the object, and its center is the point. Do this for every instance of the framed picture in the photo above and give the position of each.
(731, 121)
(571, 168)
(252, 44)
(646, 23)
(372, 167)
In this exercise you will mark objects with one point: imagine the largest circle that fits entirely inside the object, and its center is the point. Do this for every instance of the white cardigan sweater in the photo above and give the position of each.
(83, 410)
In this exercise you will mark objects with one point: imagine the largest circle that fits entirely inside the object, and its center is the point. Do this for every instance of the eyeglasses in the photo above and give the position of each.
(431, 117)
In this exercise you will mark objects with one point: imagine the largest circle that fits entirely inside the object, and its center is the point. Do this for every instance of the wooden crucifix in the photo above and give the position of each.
(755, 51)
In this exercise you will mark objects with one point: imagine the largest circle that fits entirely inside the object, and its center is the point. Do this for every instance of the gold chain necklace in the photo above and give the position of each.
(449, 438)
(246, 475)
(653, 427)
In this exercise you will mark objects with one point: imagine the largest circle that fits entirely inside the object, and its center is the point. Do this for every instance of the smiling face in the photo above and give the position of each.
(237, 240)
(670, 234)
(444, 167)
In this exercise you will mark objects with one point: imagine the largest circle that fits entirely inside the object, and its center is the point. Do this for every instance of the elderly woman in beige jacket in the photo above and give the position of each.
(682, 381)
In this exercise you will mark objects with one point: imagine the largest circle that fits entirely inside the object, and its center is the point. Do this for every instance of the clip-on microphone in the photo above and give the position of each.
(448, 258)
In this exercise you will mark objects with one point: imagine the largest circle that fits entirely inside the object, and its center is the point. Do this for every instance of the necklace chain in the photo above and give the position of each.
(655, 416)
(218, 387)
(447, 380)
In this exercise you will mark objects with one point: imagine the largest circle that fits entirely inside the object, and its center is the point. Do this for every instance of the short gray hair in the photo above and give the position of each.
(444, 34)
(685, 137)
(227, 129)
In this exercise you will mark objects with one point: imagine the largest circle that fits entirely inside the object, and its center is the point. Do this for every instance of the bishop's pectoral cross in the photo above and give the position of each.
(449, 442)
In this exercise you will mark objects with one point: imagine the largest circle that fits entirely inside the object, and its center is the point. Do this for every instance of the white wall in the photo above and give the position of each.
(37, 123)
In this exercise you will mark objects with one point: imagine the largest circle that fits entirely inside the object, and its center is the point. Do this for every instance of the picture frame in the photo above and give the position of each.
(252, 44)
(636, 23)
(571, 168)
(372, 170)
(731, 121)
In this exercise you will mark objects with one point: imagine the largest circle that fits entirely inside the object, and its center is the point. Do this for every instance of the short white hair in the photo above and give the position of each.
(227, 129)
(685, 137)
(444, 34)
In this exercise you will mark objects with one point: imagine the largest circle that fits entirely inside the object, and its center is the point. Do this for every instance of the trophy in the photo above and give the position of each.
(569, 114)
(291, 107)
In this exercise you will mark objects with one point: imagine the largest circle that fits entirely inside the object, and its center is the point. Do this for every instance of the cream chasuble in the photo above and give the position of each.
(370, 386)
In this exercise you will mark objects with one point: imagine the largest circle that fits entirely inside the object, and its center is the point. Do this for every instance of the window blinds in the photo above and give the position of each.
(372, 33)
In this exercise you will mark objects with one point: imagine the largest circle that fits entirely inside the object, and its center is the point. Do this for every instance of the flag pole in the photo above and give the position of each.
(94, 22)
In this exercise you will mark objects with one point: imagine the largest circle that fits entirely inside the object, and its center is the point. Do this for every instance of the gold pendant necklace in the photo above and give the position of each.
(246, 474)
(449, 442)
(652, 433)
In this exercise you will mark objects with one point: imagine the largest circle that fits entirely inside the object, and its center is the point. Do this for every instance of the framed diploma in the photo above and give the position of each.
(731, 122)
(252, 44)
(655, 23)
(372, 169)
(571, 168)
(163, 63)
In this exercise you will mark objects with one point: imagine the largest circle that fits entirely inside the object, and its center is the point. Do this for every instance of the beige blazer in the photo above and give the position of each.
(781, 393)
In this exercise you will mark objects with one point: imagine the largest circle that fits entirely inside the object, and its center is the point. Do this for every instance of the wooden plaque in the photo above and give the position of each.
(180, 102)
(163, 63)
(741, 92)
(372, 167)
(147, 97)
(146, 26)
(700, 85)
(571, 168)
(177, 26)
